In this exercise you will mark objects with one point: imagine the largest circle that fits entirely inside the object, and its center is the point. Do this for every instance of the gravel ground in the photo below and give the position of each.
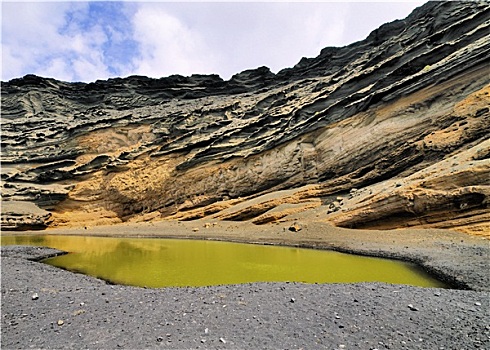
(46, 307)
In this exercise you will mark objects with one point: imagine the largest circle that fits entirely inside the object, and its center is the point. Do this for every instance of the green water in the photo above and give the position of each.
(171, 262)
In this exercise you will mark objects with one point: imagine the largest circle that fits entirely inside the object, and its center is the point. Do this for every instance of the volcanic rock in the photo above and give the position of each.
(24, 216)
(402, 117)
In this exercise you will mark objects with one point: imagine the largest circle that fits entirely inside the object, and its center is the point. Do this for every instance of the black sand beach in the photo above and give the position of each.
(45, 307)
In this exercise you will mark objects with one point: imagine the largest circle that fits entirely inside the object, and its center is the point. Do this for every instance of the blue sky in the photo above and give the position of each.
(86, 41)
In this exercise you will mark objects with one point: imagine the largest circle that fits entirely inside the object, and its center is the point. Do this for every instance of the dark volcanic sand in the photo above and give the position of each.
(76, 311)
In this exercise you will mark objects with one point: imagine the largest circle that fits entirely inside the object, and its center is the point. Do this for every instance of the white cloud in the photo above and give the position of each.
(85, 41)
(11, 63)
(58, 68)
(86, 53)
(30, 37)
(363, 18)
(167, 46)
(226, 38)
(324, 29)
(302, 31)
(49, 39)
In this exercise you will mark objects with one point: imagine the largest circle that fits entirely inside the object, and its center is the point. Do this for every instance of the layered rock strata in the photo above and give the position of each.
(390, 131)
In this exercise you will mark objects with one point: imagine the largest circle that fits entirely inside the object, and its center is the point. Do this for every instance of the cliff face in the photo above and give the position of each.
(387, 132)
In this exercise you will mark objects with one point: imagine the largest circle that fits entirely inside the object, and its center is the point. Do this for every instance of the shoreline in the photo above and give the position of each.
(458, 259)
(47, 307)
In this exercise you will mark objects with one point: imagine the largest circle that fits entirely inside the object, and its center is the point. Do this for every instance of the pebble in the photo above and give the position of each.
(413, 308)
(292, 300)
(222, 340)
(35, 296)
(61, 322)
(478, 303)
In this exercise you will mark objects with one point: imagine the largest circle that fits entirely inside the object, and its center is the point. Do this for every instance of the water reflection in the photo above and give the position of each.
(171, 262)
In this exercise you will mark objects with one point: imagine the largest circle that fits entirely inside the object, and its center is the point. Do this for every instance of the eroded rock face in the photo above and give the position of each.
(19, 216)
(266, 147)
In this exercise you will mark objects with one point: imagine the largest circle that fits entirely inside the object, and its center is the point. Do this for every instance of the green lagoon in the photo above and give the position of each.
(155, 262)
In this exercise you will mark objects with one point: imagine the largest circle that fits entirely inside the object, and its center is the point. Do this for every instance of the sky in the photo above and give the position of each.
(87, 41)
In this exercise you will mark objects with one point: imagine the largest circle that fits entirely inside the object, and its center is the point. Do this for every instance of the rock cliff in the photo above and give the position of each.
(391, 131)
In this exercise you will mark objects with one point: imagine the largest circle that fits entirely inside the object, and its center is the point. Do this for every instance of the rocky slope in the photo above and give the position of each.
(387, 132)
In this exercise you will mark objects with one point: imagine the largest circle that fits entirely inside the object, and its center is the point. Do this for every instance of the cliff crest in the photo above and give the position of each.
(387, 132)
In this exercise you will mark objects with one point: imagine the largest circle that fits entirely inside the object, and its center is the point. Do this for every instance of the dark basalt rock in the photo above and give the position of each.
(48, 126)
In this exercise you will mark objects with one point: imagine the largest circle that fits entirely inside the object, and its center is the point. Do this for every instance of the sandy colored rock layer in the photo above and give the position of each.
(388, 132)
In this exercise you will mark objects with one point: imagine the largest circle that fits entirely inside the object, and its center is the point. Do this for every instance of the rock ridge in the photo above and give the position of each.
(411, 96)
